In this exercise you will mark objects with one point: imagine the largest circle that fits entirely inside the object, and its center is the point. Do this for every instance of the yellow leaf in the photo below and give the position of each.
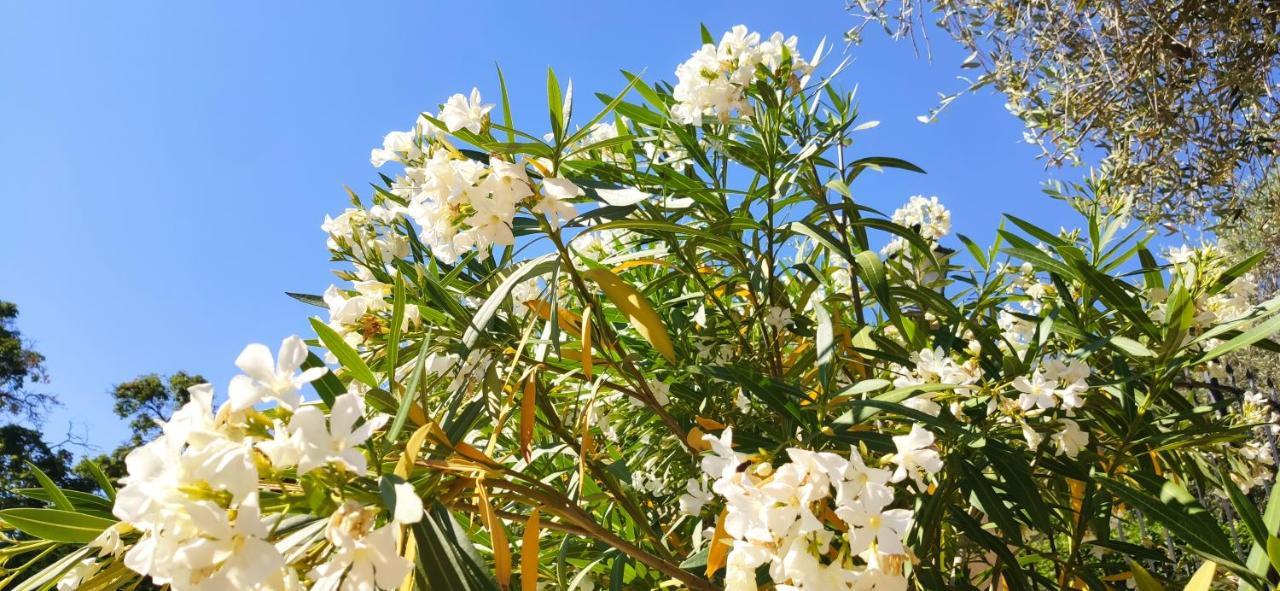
(529, 553)
(1203, 577)
(636, 308)
(640, 263)
(567, 320)
(694, 438)
(410, 551)
(719, 550)
(708, 424)
(586, 343)
(497, 535)
(528, 410)
(411, 449)
(1143, 579)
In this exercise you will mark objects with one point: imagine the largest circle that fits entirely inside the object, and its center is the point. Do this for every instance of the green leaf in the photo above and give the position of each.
(1245, 509)
(1131, 347)
(507, 121)
(706, 34)
(1178, 512)
(328, 386)
(1244, 339)
(80, 501)
(446, 558)
(307, 298)
(480, 321)
(410, 395)
(58, 499)
(555, 105)
(393, 336)
(1258, 561)
(56, 524)
(347, 357)
(100, 477)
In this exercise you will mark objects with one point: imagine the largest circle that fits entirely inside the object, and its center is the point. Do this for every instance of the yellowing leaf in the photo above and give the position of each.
(636, 308)
(1203, 577)
(529, 552)
(411, 449)
(694, 438)
(640, 263)
(528, 410)
(718, 553)
(566, 319)
(708, 424)
(498, 535)
(586, 343)
(1144, 580)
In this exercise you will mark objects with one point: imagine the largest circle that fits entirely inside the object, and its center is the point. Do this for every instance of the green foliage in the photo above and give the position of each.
(20, 367)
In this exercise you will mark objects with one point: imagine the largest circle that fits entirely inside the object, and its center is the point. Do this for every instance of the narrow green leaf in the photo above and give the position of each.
(56, 524)
(347, 357)
(328, 386)
(58, 499)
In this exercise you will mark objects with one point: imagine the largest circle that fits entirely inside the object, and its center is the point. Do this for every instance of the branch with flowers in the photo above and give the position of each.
(669, 348)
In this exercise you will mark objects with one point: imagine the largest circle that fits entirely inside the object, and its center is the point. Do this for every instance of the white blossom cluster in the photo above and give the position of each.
(459, 203)
(820, 521)
(193, 492)
(714, 80)
(927, 216)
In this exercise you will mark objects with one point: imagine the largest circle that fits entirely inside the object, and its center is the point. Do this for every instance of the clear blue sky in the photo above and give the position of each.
(165, 166)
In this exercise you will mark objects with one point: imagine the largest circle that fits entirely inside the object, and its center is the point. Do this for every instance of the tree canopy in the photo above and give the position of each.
(1180, 95)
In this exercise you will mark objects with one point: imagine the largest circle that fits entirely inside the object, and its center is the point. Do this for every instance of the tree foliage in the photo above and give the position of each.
(1180, 95)
(20, 368)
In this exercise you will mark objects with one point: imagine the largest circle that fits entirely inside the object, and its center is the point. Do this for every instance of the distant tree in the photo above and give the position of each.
(142, 401)
(1179, 94)
(20, 366)
(1257, 229)
(19, 445)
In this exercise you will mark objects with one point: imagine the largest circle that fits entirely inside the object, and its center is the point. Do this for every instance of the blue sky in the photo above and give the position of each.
(165, 166)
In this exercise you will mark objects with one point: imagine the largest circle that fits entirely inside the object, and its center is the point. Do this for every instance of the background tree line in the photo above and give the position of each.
(141, 402)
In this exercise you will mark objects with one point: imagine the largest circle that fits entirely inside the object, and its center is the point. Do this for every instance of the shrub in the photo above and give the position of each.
(670, 346)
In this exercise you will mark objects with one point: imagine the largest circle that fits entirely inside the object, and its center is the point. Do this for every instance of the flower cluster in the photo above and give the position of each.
(926, 216)
(819, 520)
(715, 80)
(459, 203)
(195, 492)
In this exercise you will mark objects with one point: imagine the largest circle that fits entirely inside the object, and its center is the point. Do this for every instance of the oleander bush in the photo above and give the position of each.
(669, 345)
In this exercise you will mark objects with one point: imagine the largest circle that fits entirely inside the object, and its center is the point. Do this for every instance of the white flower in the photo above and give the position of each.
(1034, 438)
(263, 381)
(778, 318)
(284, 449)
(461, 112)
(869, 522)
(236, 553)
(408, 504)
(1071, 439)
(1036, 392)
(78, 573)
(338, 443)
(363, 558)
(108, 542)
(661, 391)
(397, 146)
(555, 200)
(723, 461)
(491, 222)
(695, 497)
(914, 457)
